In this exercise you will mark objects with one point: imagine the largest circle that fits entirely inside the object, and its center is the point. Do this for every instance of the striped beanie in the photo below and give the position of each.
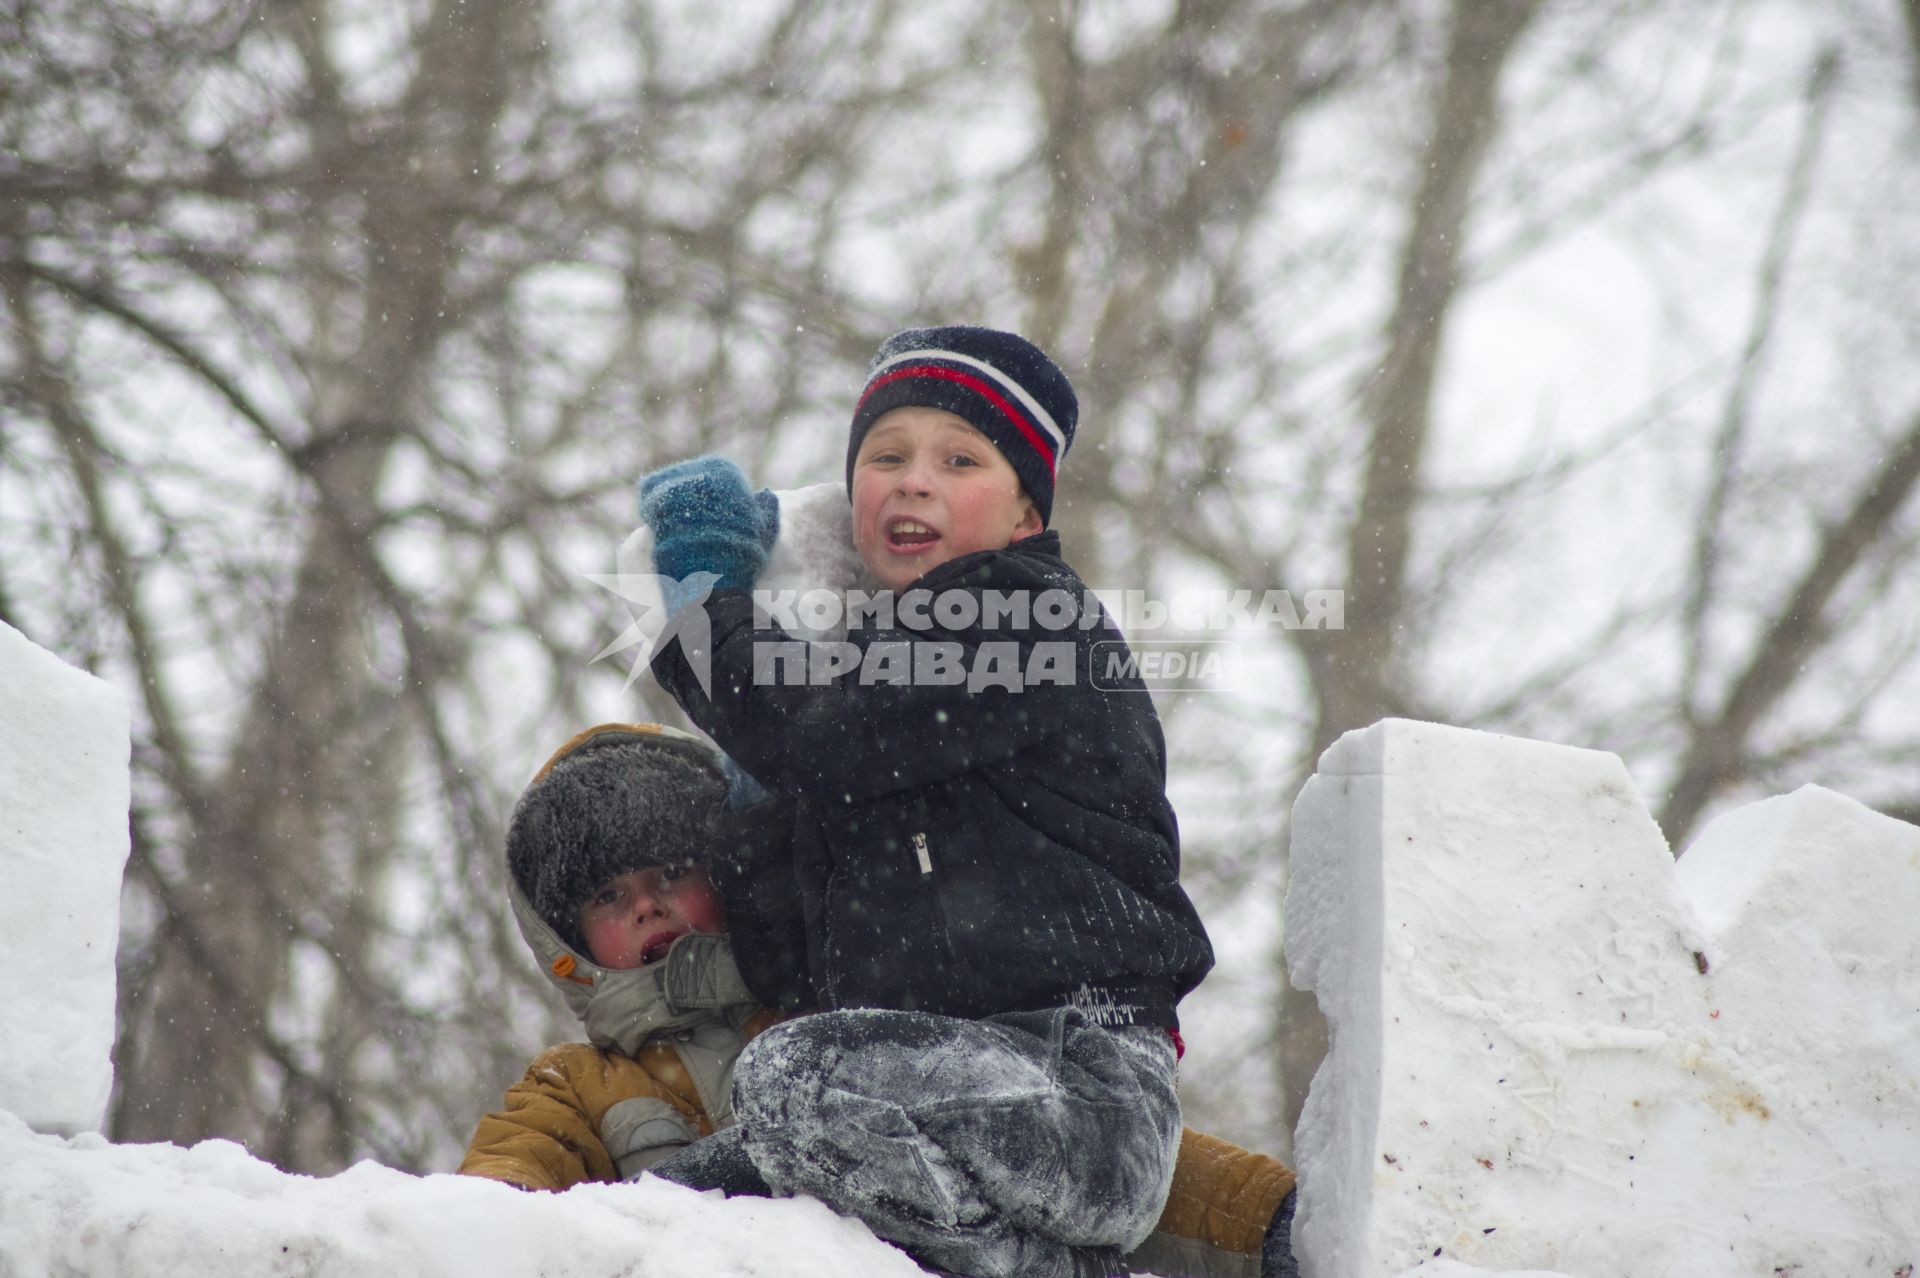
(1000, 383)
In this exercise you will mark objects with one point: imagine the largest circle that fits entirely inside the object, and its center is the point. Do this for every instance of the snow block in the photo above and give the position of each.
(1554, 1049)
(64, 750)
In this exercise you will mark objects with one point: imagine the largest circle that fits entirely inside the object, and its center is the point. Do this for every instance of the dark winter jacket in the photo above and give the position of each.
(960, 848)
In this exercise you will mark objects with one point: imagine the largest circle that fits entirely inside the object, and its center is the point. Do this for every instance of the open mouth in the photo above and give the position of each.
(909, 535)
(657, 946)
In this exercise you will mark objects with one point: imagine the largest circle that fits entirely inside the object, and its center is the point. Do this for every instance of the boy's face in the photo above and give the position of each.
(635, 916)
(927, 488)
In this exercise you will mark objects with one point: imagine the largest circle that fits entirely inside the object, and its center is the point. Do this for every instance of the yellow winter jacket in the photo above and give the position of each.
(549, 1134)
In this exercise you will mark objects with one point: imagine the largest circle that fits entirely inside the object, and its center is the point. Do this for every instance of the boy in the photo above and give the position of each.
(984, 877)
(603, 852)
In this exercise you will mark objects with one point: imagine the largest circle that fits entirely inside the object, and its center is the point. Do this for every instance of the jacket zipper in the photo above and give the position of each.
(920, 850)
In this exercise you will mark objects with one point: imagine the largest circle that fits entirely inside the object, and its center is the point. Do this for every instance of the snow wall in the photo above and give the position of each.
(64, 748)
(1530, 1069)
(1555, 1048)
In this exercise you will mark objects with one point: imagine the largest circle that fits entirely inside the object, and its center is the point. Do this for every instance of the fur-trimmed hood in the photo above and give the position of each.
(621, 1009)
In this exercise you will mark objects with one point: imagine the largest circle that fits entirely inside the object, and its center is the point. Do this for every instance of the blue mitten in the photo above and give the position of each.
(705, 519)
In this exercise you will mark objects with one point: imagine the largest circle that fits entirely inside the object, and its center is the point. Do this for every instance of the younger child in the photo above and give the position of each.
(604, 854)
(985, 866)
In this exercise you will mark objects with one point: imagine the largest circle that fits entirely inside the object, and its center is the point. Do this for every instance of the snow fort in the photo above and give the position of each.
(1555, 1050)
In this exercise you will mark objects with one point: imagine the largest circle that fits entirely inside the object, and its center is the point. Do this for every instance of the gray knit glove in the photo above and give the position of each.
(1276, 1253)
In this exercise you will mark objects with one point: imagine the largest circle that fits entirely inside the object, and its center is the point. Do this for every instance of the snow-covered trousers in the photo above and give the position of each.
(1025, 1145)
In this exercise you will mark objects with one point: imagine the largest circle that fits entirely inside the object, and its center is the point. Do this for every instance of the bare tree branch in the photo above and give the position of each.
(82, 449)
(1730, 440)
(1352, 669)
(1717, 748)
(1912, 11)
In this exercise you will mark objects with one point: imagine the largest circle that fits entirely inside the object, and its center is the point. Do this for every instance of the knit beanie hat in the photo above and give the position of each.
(1002, 384)
(616, 798)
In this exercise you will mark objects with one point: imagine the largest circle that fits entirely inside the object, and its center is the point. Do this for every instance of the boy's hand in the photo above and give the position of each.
(705, 519)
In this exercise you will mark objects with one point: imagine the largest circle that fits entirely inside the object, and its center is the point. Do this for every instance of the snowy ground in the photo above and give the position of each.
(85, 1207)
(82, 1206)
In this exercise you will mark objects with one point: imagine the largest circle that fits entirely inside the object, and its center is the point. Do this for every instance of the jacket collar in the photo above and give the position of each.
(623, 1008)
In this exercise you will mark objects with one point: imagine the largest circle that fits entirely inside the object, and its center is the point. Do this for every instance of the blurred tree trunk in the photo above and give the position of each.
(1912, 10)
(1360, 673)
(1717, 750)
(261, 855)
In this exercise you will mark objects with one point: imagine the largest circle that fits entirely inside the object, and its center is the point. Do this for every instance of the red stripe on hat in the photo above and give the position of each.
(983, 389)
